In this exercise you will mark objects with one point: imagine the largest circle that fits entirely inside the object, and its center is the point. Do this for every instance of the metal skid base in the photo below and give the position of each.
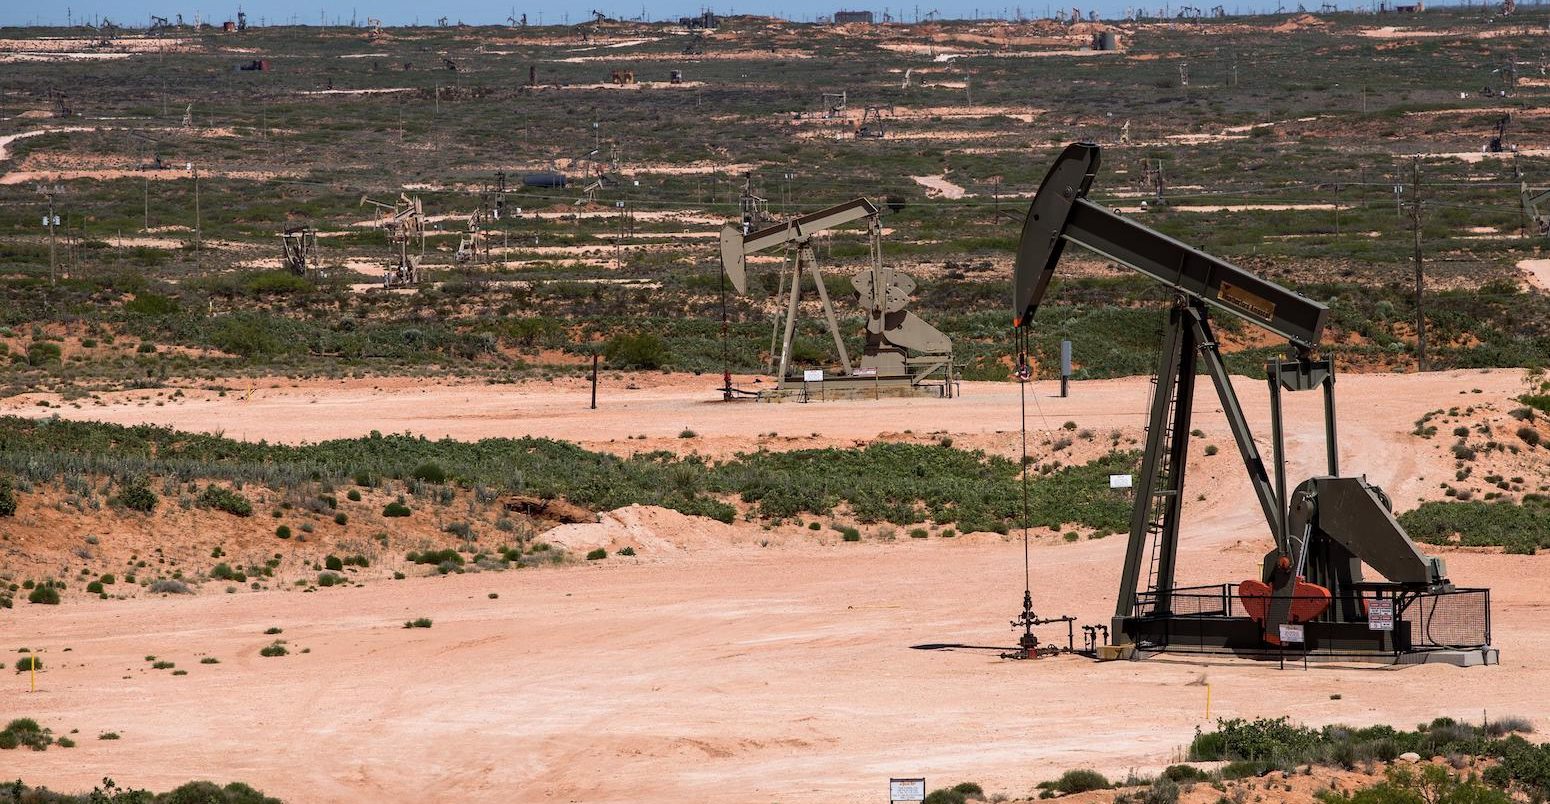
(1141, 637)
(836, 388)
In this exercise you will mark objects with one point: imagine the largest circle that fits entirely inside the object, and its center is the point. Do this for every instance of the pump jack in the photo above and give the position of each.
(903, 354)
(1531, 200)
(1311, 596)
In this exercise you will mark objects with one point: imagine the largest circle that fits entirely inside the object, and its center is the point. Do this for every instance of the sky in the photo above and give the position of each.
(550, 12)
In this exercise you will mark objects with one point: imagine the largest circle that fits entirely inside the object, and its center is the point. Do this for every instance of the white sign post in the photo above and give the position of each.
(1291, 633)
(1120, 481)
(812, 375)
(906, 790)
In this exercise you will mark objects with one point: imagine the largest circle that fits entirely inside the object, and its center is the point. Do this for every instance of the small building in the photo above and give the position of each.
(846, 17)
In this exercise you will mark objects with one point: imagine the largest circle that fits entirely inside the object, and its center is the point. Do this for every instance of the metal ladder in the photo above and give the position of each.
(1162, 492)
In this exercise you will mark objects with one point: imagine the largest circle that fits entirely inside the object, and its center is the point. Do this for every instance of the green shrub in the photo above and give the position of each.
(7, 496)
(151, 304)
(45, 594)
(1185, 773)
(341, 518)
(333, 562)
(353, 495)
(28, 663)
(42, 353)
(1079, 780)
(162, 665)
(625, 551)
(329, 579)
(137, 496)
(283, 531)
(95, 588)
(597, 555)
(396, 509)
(430, 472)
(436, 557)
(640, 351)
(422, 622)
(275, 648)
(1263, 738)
(224, 499)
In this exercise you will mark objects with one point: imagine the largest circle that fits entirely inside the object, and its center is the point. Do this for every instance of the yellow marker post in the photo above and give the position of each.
(1208, 702)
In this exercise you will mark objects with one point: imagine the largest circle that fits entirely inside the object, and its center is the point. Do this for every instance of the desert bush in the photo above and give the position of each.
(45, 594)
(136, 496)
(224, 499)
(275, 648)
(333, 562)
(7, 496)
(597, 555)
(24, 731)
(422, 622)
(1078, 780)
(28, 663)
(641, 351)
(396, 509)
(430, 472)
(169, 586)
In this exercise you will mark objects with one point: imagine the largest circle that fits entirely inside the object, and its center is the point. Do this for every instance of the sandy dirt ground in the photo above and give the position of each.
(1537, 272)
(725, 663)
(939, 185)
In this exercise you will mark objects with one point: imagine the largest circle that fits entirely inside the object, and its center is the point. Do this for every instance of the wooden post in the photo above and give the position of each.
(594, 380)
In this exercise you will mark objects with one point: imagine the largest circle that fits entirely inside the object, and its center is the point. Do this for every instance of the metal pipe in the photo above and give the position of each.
(1331, 443)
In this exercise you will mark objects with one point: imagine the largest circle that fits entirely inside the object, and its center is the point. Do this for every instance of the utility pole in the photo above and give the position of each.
(1420, 273)
(198, 227)
(51, 221)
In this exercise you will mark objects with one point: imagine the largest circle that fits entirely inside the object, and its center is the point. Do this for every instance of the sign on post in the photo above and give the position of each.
(1380, 615)
(1291, 633)
(812, 375)
(1121, 481)
(906, 790)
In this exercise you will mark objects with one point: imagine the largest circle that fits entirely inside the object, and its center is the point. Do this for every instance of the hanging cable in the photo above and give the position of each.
(1024, 376)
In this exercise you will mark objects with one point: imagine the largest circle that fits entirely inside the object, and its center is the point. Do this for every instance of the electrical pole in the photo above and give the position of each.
(53, 276)
(1420, 274)
(198, 228)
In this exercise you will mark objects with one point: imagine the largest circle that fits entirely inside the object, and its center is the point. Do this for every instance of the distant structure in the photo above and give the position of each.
(706, 20)
(846, 17)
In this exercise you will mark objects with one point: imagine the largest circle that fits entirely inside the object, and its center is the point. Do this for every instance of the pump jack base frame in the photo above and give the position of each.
(1420, 628)
(795, 389)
